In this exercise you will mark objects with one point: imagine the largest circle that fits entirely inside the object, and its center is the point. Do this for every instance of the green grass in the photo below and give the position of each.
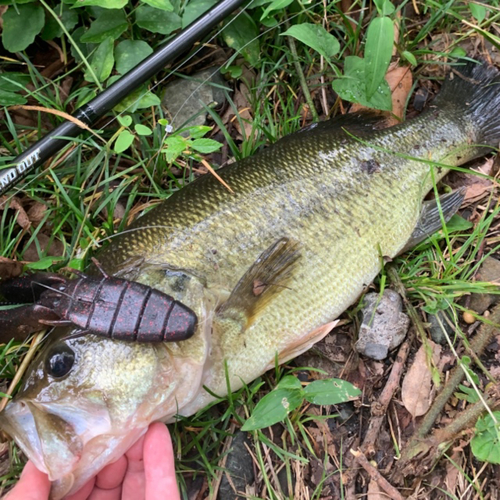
(81, 194)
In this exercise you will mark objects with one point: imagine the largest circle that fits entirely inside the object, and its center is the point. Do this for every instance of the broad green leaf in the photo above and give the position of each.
(142, 130)
(457, 223)
(205, 145)
(123, 141)
(458, 52)
(52, 29)
(241, 34)
(194, 9)
(316, 37)
(378, 52)
(258, 3)
(77, 264)
(85, 48)
(110, 23)
(269, 22)
(330, 392)
(160, 4)
(275, 5)
(12, 82)
(139, 99)
(20, 30)
(11, 99)
(352, 86)
(102, 61)
(125, 120)
(198, 131)
(105, 4)
(273, 408)
(44, 263)
(485, 445)
(384, 7)
(174, 146)
(409, 57)
(468, 394)
(129, 53)
(156, 20)
(478, 11)
(289, 382)
(17, 2)
(233, 71)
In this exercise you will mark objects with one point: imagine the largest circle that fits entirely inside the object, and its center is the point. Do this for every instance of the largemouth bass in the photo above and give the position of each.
(267, 268)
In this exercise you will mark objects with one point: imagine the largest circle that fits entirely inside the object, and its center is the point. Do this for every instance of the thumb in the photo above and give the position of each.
(33, 485)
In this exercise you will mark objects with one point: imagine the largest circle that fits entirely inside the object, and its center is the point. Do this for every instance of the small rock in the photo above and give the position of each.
(383, 326)
(239, 466)
(435, 329)
(185, 98)
(489, 271)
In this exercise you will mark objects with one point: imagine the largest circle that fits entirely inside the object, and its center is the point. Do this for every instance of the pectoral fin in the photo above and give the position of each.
(263, 280)
(430, 220)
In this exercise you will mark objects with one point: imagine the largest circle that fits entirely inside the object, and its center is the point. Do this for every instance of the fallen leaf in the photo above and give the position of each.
(452, 472)
(416, 391)
(242, 105)
(36, 213)
(15, 204)
(400, 81)
(375, 492)
(54, 249)
(476, 187)
(10, 268)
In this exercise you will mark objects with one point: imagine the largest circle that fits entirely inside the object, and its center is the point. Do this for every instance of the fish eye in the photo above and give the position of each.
(59, 361)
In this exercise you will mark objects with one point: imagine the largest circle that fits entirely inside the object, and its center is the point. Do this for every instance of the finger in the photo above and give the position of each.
(133, 484)
(108, 484)
(112, 475)
(84, 492)
(159, 464)
(32, 485)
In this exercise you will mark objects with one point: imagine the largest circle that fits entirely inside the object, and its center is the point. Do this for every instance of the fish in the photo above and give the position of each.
(267, 267)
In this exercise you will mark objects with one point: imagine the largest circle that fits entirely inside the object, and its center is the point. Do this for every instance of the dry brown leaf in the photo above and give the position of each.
(242, 104)
(54, 248)
(452, 472)
(36, 212)
(375, 492)
(400, 81)
(416, 391)
(10, 268)
(15, 204)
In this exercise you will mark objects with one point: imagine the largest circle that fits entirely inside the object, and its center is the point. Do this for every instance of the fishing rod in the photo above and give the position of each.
(55, 140)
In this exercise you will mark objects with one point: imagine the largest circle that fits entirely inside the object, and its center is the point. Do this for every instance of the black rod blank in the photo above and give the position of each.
(53, 142)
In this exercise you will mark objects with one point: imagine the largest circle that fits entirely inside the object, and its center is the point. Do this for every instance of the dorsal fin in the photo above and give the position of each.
(358, 123)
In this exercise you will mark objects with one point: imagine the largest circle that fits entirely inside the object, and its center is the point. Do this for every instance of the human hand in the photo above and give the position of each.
(145, 472)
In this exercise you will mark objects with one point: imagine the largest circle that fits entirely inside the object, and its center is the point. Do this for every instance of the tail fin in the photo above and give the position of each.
(475, 89)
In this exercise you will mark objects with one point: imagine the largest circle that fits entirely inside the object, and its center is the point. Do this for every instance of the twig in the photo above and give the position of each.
(376, 476)
(379, 407)
(477, 345)
(222, 463)
(22, 368)
(300, 73)
(216, 175)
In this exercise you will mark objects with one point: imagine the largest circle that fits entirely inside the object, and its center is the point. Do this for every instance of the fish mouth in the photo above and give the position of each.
(54, 440)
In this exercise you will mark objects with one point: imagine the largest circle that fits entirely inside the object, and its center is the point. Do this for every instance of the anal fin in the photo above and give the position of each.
(304, 343)
(430, 220)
